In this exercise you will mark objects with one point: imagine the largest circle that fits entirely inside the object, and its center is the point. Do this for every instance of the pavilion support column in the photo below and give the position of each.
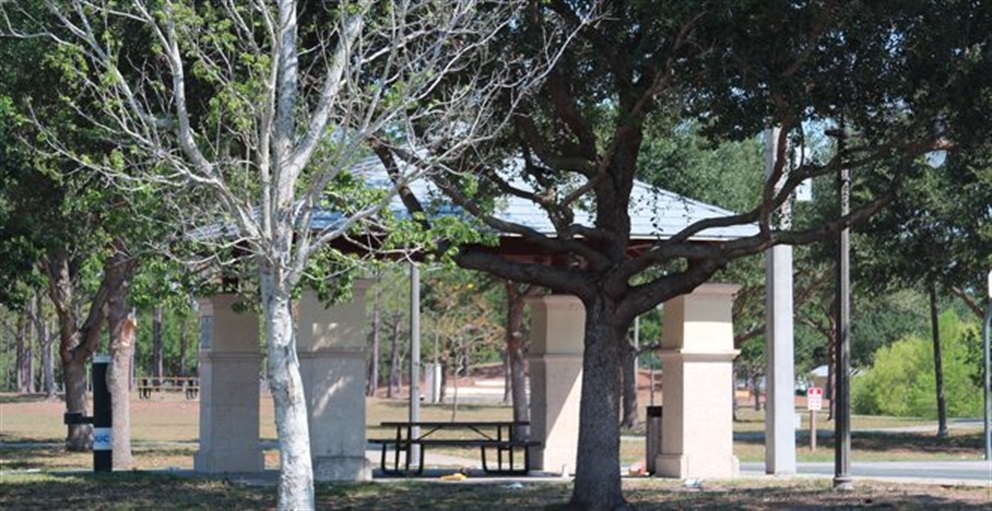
(557, 332)
(697, 368)
(230, 363)
(331, 346)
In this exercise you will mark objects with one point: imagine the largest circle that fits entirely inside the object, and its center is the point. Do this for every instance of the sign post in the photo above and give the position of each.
(103, 424)
(102, 419)
(814, 403)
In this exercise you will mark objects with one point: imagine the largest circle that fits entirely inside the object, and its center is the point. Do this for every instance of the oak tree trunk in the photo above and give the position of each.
(78, 437)
(76, 342)
(597, 483)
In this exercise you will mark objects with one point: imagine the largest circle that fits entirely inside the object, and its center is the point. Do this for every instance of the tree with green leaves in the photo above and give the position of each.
(902, 378)
(463, 317)
(263, 107)
(79, 231)
(940, 241)
(885, 71)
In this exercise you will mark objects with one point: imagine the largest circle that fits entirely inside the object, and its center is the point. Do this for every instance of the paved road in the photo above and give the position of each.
(948, 472)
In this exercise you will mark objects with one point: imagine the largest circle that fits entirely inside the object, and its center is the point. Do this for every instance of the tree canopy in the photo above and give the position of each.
(887, 82)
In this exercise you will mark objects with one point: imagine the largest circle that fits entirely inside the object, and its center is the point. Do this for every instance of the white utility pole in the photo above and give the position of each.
(780, 413)
(415, 356)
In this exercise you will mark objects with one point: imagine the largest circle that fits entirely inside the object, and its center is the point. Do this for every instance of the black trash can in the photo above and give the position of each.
(653, 437)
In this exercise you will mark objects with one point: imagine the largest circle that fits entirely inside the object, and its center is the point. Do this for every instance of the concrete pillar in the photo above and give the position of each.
(697, 369)
(780, 404)
(780, 400)
(331, 346)
(555, 361)
(230, 363)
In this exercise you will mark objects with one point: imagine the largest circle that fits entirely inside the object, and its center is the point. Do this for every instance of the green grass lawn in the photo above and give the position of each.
(127, 491)
(47, 477)
(172, 419)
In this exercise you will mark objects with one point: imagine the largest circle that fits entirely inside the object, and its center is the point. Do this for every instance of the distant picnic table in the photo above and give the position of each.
(190, 385)
(486, 435)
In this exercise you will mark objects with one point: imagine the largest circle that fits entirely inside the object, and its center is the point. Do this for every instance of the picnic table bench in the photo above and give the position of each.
(486, 435)
(188, 384)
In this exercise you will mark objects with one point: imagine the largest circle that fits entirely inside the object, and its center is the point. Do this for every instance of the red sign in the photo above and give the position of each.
(814, 398)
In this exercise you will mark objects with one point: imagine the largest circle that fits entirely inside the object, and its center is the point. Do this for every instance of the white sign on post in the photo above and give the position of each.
(814, 399)
(103, 439)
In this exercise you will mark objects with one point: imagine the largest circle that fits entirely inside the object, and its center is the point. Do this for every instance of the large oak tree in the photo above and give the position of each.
(880, 75)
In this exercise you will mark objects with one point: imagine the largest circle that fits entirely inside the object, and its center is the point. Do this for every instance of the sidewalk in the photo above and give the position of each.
(948, 473)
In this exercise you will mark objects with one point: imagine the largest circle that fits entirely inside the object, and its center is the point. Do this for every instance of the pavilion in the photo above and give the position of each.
(697, 352)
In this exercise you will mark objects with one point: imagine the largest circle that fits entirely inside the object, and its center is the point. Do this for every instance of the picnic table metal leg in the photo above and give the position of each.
(420, 468)
(396, 452)
(382, 460)
(499, 452)
(409, 447)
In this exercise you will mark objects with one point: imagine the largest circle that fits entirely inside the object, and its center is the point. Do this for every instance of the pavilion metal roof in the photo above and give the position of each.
(654, 213)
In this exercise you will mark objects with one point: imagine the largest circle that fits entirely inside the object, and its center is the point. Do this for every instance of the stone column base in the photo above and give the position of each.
(342, 468)
(681, 466)
(556, 391)
(220, 461)
(229, 420)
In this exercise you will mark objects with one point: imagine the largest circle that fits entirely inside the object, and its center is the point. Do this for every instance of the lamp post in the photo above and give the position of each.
(986, 327)
(842, 385)
(414, 452)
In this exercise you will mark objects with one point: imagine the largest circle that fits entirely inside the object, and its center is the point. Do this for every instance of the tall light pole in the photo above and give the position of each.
(842, 388)
(415, 355)
(987, 351)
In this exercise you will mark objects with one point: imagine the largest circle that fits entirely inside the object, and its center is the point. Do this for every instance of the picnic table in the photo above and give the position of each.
(189, 385)
(496, 435)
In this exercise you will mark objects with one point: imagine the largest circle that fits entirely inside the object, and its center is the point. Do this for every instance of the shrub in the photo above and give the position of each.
(902, 381)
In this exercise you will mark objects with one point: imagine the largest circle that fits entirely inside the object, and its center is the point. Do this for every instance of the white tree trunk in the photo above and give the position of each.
(318, 113)
(286, 384)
